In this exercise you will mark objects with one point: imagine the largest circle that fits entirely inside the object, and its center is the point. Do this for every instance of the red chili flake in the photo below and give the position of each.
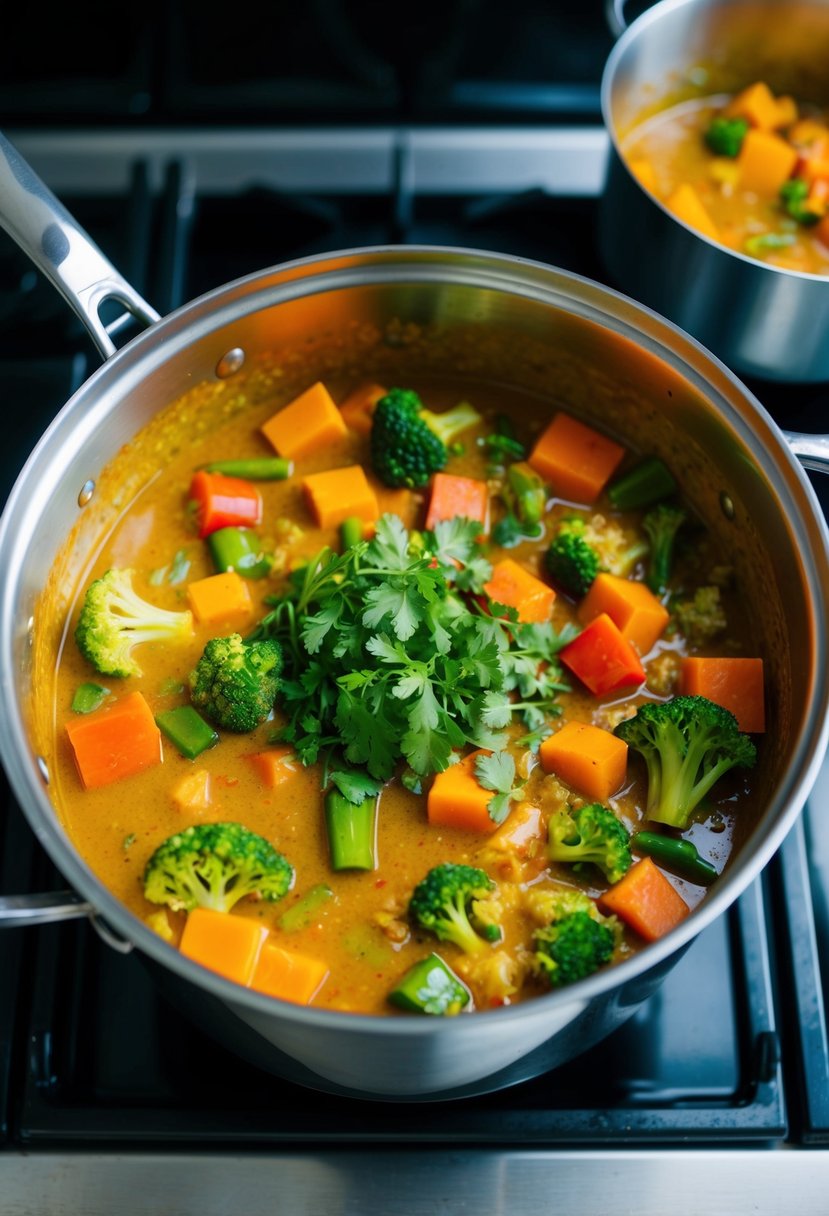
(381, 882)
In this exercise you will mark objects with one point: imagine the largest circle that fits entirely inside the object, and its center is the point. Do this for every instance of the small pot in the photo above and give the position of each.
(762, 320)
(382, 313)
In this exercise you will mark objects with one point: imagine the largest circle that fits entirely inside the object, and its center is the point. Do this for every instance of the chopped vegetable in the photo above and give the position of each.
(306, 908)
(116, 741)
(678, 855)
(526, 497)
(188, 730)
(794, 195)
(756, 104)
(89, 697)
(114, 619)
(308, 424)
(430, 986)
(352, 831)
(735, 683)
(256, 468)
(631, 606)
(220, 597)
(193, 794)
(408, 442)
(446, 903)
(337, 494)
(571, 561)
(274, 766)
(228, 945)
(766, 161)
(351, 532)
(661, 526)
(602, 659)
(702, 618)
(516, 588)
(235, 682)
(458, 799)
(725, 135)
(687, 206)
(576, 460)
(288, 976)
(458, 498)
(238, 549)
(645, 900)
(591, 760)
(358, 408)
(590, 835)
(576, 940)
(644, 485)
(224, 502)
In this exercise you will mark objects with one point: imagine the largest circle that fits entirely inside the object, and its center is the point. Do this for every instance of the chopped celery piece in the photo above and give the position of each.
(302, 913)
(430, 987)
(351, 831)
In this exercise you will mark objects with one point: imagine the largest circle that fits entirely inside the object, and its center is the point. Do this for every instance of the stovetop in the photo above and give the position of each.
(715, 1095)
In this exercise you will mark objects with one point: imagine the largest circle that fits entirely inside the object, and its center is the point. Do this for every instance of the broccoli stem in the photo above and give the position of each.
(679, 855)
(262, 468)
(649, 482)
(430, 987)
(351, 831)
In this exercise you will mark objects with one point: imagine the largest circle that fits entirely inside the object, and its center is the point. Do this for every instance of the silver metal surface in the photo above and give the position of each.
(669, 1182)
(811, 450)
(17, 911)
(762, 320)
(46, 231)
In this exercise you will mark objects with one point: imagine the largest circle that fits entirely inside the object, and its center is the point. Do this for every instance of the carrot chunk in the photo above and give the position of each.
(646, 900)
(116, 741)
(288, 975)
(822, 231)
(766, 161)
(457, 800)
(758, 105)
(576, 460)
(306, 425)
(602, 659)
(458, 498)
(514, 586)
(224, 502)
(275, 765)
(227, 944)
(632, 606)
(590, 759)
(339, 493)
(687, 206)
(736, 684)
(220, 597)
(358, 408)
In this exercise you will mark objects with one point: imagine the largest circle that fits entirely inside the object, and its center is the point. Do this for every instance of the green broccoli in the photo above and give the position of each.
(725, 135)
(794, 196)
(576, 941)
(235, 682)
(526, 495)
(688, 743)
(590, 835)
(661, 526)
(572, 561)
(214, 865)
(114, 619)
(408, 442)
(702, 618)
(444, 902)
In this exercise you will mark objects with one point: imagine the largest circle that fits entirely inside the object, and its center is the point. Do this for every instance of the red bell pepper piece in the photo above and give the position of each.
(602, 659)
(224, 502)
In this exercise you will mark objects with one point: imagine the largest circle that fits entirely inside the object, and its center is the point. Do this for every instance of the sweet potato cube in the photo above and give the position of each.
(734, 683)
(766, 161)
(591, 760)
(514, 586)
(226, 943)
(687, 206)
(631, 605)
(458, 498)
(192, 795)
(646, 900)
(275, 766)
(576, 460)
(307, 425)
(457, 800)
(358, 408)
(602, 659)
(339, 493)
(758, 105)
(288, 975)
(219, 597)
(644, 173)
(787, 112)
(116, 741)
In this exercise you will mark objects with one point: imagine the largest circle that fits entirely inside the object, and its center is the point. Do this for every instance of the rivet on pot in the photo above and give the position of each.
(43, 767)
(87, 490)
(230, 363)
(727, 505)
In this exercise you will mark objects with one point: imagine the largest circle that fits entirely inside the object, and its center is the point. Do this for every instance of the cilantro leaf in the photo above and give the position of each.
(355, 785)
(497, 772)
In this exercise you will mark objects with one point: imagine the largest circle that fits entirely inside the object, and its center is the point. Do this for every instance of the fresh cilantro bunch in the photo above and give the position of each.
(390, 658)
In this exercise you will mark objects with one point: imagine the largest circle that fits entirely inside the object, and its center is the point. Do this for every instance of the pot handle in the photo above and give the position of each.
(56, 244)
(811, 450)
(17, 911)
(614, 15)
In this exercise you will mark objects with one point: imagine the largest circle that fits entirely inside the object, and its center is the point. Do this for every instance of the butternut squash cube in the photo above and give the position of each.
(358, 408)
(687, 206)
(288, 975)
(758, 105)
(734, 683)
(632, 606)
(219, 597)
(766, 161)
(576, 460)
(591, 760)
(275, 766)
(305, 426)
(457, 800)
(514, 586)
(339, 493)
(223, 942)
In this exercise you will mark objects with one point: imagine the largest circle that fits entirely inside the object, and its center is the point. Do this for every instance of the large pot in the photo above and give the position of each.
(762, 320)
(383, 311)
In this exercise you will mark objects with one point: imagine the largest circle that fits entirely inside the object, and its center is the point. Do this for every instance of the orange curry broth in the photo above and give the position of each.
(668, 152)
(116, 828)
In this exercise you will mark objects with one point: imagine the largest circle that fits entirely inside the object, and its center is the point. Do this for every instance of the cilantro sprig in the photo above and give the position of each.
(389, 657)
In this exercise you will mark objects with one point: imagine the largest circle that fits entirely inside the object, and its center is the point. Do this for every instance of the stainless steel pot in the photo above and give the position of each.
(381, 312)
(762, 320)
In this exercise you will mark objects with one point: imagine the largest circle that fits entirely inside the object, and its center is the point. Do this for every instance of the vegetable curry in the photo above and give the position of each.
(418, 699)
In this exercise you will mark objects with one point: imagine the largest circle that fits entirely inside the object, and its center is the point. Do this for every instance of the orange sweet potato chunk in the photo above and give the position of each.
(758, 105)
(457, 800)
(687, 206)
(358, 408)
(591, 760)
(307, 425)
(219, 597)
(632, 606)
(116, 741)
(734, 683)
(646, 900)
(224, 942)
(766, 161)
(576, 460)
(337, 494)
(288, 975)
(275, 766)
(514, 586)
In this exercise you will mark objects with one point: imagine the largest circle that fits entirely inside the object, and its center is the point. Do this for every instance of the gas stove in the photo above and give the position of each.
(714, 1096)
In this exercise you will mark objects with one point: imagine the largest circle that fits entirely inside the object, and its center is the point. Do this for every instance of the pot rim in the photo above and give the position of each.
(577, 295)
(650, 17)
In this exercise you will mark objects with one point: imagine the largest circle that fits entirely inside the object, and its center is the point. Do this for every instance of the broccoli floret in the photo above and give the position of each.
(688, 743)
(725, 135)
(444, 903)
(571, 561)
(794, 195)
(114, 619)
(575, 942)
(661, 526)
(590, 835)
(408, 442)
(214, 865)
(702, 618)
(235, 682)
